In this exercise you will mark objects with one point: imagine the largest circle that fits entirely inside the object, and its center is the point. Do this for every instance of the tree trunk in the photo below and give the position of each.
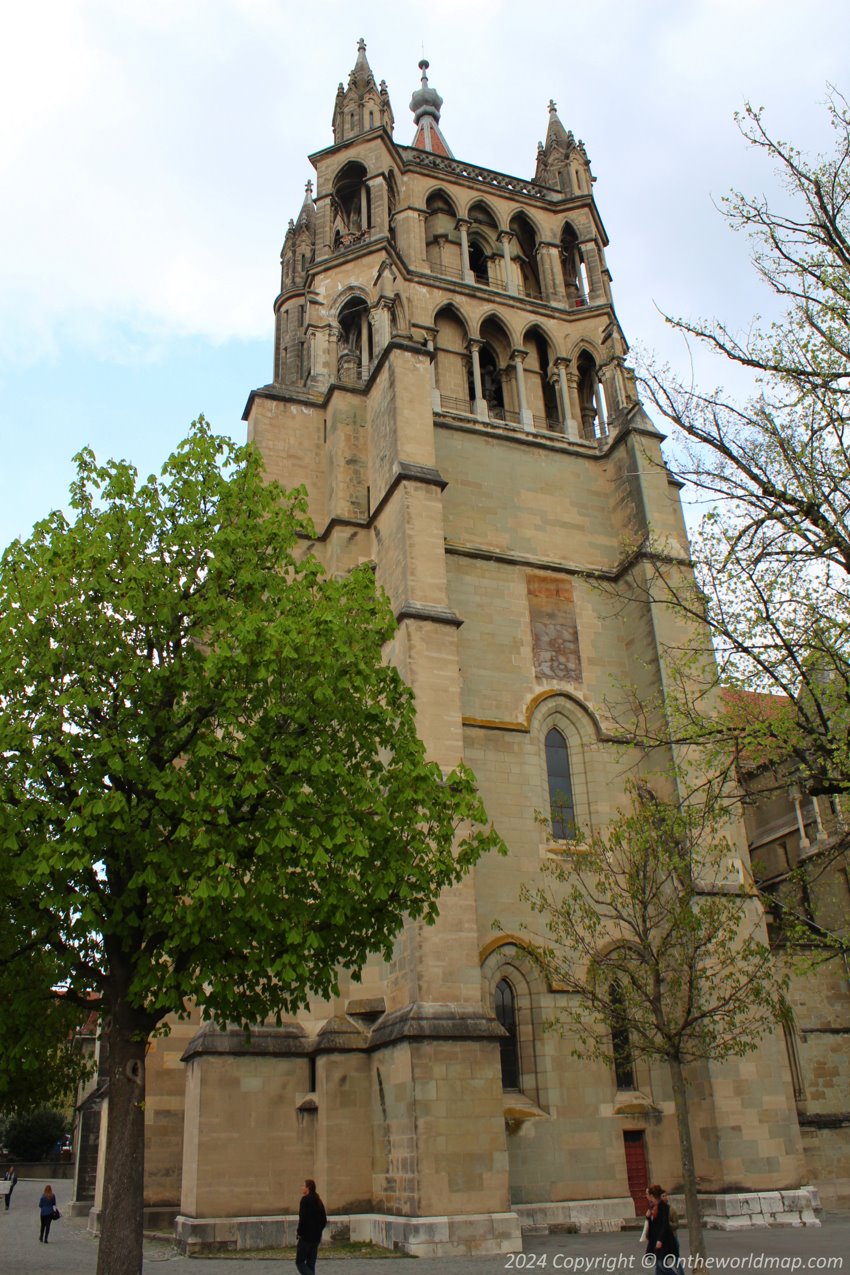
(120, 1250)
(696, 1235)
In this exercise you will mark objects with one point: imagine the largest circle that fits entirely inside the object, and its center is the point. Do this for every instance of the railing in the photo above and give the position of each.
(466, 276)
(485, 176)
(550, 423)
(503, 414)
(462, 405)
(482, 281)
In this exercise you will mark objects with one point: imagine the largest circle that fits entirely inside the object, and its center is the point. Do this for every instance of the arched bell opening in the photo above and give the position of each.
(525, 238)
(351, 205)
(354, 350)
(591, 396)
(574, 269)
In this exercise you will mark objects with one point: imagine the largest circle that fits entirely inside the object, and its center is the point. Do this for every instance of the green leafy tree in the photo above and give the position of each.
(213, 790)
(772, 555)
(31, 1135)
(41, 1058)
(661, 951)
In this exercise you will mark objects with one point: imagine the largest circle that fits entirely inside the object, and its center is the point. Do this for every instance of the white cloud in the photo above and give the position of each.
(156, 152)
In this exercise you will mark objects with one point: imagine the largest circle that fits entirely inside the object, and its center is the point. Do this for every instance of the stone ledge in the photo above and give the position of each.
(586, 1216)
(280, 1041)
(732, 1211)
(722, 1212)
(427, 1021)
(465, 1234)
(494, 1233)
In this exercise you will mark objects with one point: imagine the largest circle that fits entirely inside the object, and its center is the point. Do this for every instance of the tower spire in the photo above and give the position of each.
(425, 104)
(562, 162)
(363, 105)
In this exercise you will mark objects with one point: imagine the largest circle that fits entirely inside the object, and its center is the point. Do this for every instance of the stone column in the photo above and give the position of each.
(574, 401)
(463, 226)
(601, 414)
(596, 285)
(436, 402)
(410, 237)
(323, 228)
(481, 411)
(333, 352)
(381, 325)
(612, 380)
(568, 420)
(505, 238)
(364, 345)
(380, 204)
(525, 417)
(551, 274)
(364, 207)
(321, 369)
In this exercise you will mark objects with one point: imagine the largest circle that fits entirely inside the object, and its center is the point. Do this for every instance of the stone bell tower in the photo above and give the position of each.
(449, 383)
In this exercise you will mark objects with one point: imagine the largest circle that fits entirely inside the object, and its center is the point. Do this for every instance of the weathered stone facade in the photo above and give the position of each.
(798, 861)
(449, 385)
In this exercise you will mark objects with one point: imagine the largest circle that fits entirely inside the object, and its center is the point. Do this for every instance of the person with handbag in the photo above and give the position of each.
(48, 1212)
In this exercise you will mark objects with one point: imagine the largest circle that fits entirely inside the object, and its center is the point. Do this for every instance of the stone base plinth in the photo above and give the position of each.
(578, 1215)
(485, 1233)
(737, 1211)
(156, 1217)
(457, 1236)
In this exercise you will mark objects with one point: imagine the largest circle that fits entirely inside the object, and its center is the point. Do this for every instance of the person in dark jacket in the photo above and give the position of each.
(660, 1240)
(47, 1210)
(10, 1176)
(312, 1220)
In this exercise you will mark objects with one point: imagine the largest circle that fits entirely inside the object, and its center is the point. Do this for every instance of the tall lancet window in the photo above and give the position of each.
(624, 1067)
(505, 1008)
(561, 807)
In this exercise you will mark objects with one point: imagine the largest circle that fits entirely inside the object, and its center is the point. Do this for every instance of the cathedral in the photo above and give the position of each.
(450, 385)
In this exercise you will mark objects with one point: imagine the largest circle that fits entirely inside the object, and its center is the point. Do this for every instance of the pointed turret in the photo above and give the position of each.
(307, 216)
(562, 163)
(363, 105)
(556, 134)
(425, 104)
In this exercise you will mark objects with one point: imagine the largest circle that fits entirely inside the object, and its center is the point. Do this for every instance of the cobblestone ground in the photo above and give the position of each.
(72, 1251)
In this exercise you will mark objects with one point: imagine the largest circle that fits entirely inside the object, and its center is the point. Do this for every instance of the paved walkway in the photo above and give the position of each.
(72, 1251)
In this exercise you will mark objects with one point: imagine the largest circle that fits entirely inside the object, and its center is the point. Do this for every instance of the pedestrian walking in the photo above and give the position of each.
(660, 1240)
(312, 1220)
(48, 1213)
(11, 1177)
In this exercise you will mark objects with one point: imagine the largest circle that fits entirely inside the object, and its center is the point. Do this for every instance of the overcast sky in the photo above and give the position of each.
(152, 154)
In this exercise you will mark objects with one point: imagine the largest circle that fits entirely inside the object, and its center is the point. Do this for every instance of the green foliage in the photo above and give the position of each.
(213, 788)
(652, 932)
(40, 1049)
(31, 1135)
(772, 555)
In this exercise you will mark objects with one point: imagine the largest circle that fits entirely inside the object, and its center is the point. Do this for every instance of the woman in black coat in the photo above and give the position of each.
(660, 1238)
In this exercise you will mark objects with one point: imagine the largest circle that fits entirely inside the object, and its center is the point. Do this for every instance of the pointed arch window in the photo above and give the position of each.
(506, 1016)
(561, 804)
(478, 263)
(621, 1045)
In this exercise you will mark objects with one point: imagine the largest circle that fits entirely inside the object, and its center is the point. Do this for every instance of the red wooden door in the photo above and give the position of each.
(636, 1168)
